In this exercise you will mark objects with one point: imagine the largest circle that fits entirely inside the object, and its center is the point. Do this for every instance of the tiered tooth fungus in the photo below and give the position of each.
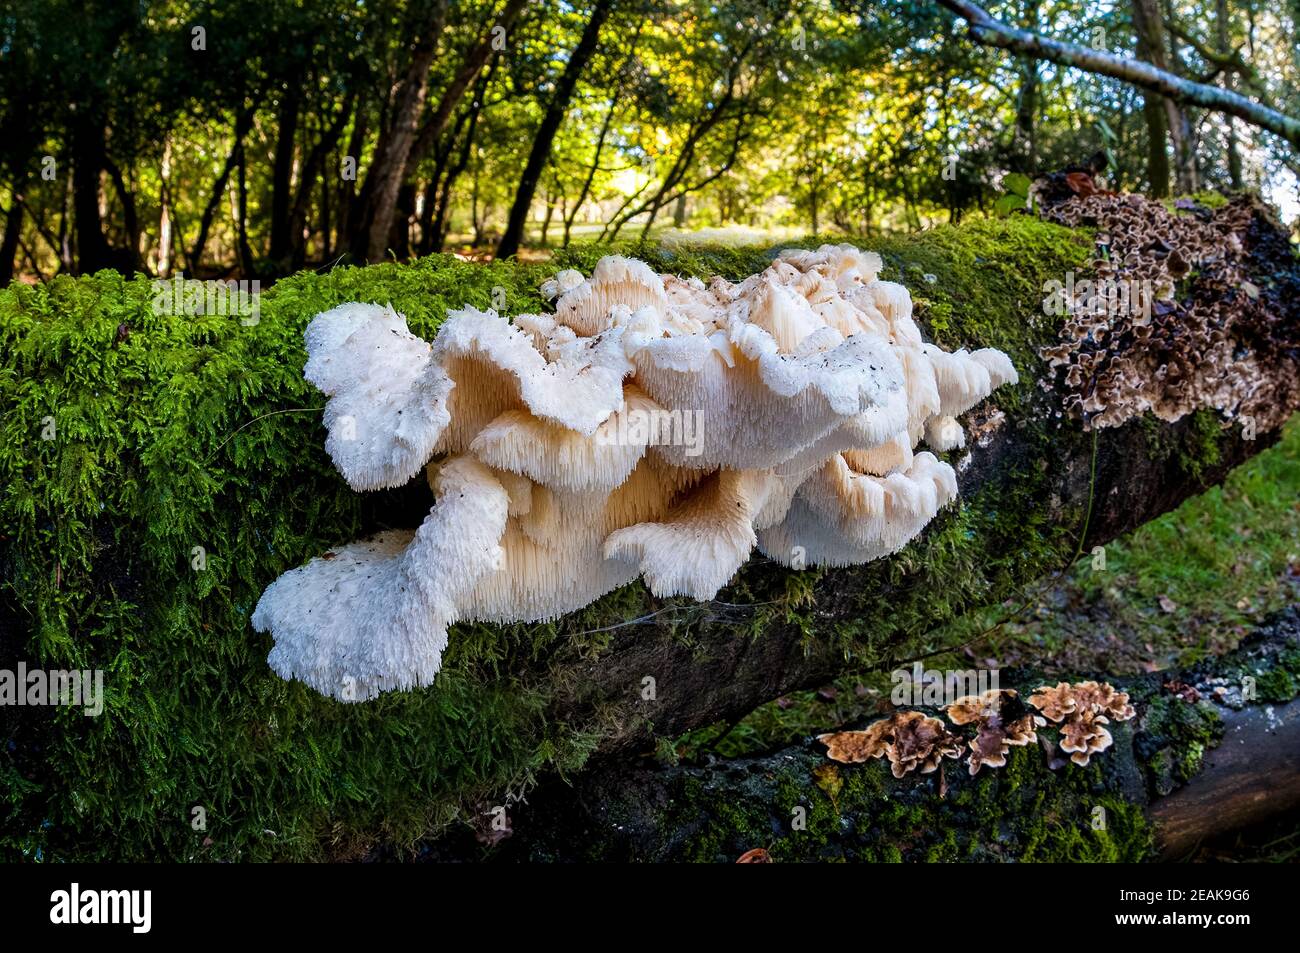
(650, 427)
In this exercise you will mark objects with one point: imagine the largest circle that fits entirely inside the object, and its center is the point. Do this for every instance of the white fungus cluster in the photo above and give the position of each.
(651, 427)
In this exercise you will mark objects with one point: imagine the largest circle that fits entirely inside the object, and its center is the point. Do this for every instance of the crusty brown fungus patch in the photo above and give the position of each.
(1083, 710)
(911, 740)
(1197, 308)
(1002, 721)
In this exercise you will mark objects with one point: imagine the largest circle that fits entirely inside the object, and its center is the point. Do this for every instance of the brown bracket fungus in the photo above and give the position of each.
(1083, 710)
(909, 739)
(1168, 320)
(651, 427)
(1001, 721)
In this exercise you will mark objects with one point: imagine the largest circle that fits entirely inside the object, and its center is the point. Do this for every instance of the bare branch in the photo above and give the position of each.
(987, 30)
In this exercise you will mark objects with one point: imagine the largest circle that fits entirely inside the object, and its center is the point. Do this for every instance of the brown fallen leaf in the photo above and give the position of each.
(828, 779)
(758, 855)
(1081, 183)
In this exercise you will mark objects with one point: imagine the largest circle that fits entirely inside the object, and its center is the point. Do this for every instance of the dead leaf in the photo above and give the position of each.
(828, 779)
(1081, 183)
(758, 855)
(1167, 604)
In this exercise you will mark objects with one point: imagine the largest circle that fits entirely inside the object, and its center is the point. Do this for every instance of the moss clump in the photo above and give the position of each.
(1024, 811)
(1276, 685)
(185, 469)
(1175, 735)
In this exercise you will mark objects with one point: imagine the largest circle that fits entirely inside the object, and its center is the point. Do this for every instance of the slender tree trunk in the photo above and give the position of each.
(550, 214)
(571, 216)
(325, 232)
(9, 243)
(1026, 127)
(245, 251)
(131, 222)
(1229, 82)
(311, 170)
(545, 137)
(87, 139)
(399, 237)
(388, 167)
(1182, 133)
(440, 222)
(67, 256)
(164, 212)
(243, 122)
(591, 170)
(1150, 47)
(282, 176)
(348, 201)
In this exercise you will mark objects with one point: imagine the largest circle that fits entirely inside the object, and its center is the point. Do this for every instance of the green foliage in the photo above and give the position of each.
(1016, 195)
(175, 432)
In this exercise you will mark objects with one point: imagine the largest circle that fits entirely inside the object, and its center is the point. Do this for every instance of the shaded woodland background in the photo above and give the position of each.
(256, 138)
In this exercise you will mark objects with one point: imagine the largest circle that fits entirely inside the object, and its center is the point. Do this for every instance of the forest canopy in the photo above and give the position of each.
(255, 139)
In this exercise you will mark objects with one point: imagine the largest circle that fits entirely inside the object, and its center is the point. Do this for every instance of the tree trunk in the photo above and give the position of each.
(1026, 127)
(540, 152)
(244, 250)
(312, 169)
(348, 201)
(379, 199)
(1229, 82)
(93, 251)
(282, 176)
(388, 167)
(164, 212)
(1151, 48)
(9, 243)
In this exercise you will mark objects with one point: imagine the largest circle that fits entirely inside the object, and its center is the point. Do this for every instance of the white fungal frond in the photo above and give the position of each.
(652, 427)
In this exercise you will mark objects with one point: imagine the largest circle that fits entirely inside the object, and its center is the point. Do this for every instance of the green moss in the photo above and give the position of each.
(1175, 735)
(1210, 200)
(1024, 811)
(1276, 685)
(175, 432)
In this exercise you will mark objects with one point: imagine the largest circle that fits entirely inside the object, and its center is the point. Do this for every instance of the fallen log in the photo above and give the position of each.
(163, 468)
(1212, 749)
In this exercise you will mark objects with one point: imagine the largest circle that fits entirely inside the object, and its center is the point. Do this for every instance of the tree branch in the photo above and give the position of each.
(988, 31)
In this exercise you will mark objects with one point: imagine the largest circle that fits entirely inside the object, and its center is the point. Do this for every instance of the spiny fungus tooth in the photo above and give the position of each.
(651, 427)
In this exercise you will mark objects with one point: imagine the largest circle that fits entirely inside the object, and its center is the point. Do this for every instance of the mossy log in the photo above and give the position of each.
(1212, 749)
(160, 469)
